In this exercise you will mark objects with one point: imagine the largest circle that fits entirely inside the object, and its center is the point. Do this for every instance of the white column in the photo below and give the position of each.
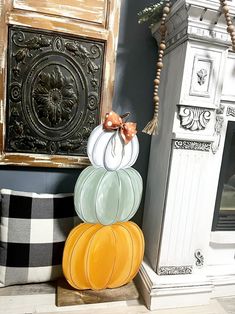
(185, 157)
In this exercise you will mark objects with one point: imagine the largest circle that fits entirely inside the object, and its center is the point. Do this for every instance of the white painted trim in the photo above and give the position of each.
(34, 194)
(185, 161)
(161, 292)
(223, 237)
(223, 280)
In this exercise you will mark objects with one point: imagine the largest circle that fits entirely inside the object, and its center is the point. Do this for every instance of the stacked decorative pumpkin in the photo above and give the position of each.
(106, 250)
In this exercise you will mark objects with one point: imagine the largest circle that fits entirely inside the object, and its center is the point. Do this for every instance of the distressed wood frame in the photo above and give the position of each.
(85, 21)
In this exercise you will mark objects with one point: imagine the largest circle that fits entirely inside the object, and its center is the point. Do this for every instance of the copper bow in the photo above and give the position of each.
(115, 122)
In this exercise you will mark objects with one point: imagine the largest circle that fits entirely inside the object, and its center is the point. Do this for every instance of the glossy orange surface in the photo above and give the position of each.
(98, 257)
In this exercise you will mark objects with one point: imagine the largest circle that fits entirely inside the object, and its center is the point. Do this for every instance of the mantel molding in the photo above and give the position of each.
(196, 20)
(209, 4)
(175, 270)
(192, 145)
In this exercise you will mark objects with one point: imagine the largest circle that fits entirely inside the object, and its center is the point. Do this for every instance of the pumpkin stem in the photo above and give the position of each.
(125, 115)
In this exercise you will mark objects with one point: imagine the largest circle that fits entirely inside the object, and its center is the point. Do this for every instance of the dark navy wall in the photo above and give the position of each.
(136, 56)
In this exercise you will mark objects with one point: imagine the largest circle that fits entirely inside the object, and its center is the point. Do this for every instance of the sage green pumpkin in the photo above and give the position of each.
(107, 197)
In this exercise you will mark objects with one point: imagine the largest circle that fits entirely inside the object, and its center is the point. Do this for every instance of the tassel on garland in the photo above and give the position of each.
(152, 127)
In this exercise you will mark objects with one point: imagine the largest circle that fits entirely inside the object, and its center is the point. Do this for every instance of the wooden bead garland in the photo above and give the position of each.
(152, 127)
(230, 28)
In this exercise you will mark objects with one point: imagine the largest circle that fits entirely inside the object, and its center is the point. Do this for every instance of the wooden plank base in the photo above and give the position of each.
(67, 295)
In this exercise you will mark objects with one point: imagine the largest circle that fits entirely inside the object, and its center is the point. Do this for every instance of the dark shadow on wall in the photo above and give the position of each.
(40, 180)
(135, 70)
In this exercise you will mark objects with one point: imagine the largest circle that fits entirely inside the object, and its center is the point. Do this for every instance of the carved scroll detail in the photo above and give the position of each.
(199, 258)
(194, 118)
(217, 133)
(175, 270)
(192, 145)
(230, 111)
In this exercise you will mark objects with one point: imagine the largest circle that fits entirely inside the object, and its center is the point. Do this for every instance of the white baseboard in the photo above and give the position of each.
(171, 291)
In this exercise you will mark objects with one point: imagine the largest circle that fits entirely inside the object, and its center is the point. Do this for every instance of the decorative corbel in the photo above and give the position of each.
(219, 121)
(194, 118)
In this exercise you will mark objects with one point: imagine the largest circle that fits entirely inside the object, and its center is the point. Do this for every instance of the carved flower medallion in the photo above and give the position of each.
(54, 83)
(55, 97)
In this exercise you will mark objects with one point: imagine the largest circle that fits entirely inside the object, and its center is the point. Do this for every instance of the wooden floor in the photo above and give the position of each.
(40, 299)
(221, 306)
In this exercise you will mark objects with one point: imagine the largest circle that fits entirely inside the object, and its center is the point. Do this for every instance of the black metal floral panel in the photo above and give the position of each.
(54, 92)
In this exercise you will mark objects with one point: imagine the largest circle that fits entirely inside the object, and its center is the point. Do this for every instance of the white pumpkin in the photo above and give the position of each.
(106, 149)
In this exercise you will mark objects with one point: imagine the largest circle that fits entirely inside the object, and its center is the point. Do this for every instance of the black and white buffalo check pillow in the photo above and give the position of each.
(33, 231)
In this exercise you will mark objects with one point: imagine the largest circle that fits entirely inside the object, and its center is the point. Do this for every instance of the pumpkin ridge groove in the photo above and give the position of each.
(83, 184)
(133, 160)
(120, 190)
(133, 189)
(143, 244)
(63, 258)
(80, 188)
(87, 257)
(129, 159)
(96, 193)
(94, 148)
(68, 273)
(112, 138)
(115, 260)
(132, 150)
(92, 140)
(140, 189)
(73, 249)
(129, 275)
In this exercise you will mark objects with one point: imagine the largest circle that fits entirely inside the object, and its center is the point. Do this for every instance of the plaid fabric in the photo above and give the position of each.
(33, 231)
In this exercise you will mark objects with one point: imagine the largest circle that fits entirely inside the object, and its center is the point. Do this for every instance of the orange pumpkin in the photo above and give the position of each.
(98, 257)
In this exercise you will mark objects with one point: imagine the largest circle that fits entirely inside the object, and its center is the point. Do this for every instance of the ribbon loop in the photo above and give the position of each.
(115, 122)
(125, 115)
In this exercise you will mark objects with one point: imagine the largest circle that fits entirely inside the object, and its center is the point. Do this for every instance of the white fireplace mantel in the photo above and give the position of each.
(185, 263)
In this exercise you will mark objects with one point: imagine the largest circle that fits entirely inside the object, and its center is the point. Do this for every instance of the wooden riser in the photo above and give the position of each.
(67, 296)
